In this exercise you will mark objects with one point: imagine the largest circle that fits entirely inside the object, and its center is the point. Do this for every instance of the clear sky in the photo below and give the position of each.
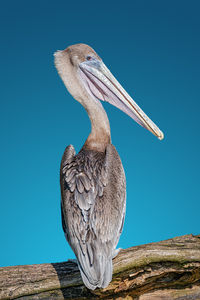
(153, 49)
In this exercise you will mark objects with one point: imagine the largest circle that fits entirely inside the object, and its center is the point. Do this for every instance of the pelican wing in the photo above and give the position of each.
(93, 208)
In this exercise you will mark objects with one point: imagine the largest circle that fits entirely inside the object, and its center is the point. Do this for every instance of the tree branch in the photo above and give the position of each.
(165, 270)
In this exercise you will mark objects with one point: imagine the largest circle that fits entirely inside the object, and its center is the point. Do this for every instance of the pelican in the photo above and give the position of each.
(93, 184)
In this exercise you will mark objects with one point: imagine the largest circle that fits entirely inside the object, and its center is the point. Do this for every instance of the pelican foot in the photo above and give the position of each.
(116, 252)
(73, 261)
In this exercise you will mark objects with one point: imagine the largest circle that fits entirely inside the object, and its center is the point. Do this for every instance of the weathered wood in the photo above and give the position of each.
(165, 270)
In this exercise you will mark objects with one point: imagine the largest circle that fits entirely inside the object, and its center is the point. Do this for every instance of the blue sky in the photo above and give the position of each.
(152, 48)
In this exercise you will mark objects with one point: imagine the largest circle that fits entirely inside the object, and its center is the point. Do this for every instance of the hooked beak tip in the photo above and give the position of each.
(161, 136)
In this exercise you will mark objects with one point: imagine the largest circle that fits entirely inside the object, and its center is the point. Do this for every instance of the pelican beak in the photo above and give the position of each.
(102, 85)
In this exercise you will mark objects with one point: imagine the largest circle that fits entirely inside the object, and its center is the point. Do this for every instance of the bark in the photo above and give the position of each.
(165, 270)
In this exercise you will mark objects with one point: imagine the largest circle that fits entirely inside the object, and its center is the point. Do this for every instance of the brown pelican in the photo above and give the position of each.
(93, 186)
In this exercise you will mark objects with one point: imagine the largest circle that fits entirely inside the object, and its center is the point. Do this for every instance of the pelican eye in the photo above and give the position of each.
(89, 57)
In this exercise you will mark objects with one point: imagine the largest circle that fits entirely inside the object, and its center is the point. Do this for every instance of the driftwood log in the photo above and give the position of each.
(165, 270)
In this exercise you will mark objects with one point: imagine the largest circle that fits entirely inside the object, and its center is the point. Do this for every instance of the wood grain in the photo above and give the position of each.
(165, 270)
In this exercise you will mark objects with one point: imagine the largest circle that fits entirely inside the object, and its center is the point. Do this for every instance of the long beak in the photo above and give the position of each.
(100, 82)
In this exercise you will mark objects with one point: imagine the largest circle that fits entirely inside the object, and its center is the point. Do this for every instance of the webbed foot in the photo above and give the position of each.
(116, 252)
(73, 261)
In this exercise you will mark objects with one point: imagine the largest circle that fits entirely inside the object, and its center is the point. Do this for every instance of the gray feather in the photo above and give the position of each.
(93, 209)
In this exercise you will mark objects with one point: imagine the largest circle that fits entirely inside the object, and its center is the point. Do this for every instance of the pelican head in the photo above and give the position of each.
(86, 77)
